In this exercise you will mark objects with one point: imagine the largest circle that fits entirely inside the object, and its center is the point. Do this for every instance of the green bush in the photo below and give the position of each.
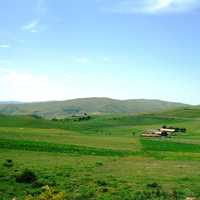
(101, 183)
(27, 176)
(133, 133)
(47, 194)
(99, 163)
(154, 185)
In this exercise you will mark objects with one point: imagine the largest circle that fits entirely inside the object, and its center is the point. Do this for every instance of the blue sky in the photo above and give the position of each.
(124, 49)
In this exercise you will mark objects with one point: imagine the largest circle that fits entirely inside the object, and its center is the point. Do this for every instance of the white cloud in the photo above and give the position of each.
(34, 26)
(25, 86)
(154, 6)
(4, 46)
(28, 87)
(172, 6)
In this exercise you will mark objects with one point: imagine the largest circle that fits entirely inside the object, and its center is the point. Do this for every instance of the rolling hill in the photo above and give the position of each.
(9, 102)
(185, 112)
(66, 108)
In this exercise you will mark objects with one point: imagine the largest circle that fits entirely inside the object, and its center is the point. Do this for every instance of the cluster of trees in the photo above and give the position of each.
(76, 118)
(35, 116)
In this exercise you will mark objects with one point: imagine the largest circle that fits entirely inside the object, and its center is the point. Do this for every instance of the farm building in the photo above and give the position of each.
(164, 131)
(152, 133)
(168, 130)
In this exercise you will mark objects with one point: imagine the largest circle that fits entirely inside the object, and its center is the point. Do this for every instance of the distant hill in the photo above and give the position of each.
(66, 108)
(186, 112)
(9, 102)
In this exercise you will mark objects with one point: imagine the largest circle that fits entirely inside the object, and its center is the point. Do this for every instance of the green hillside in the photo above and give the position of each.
(186, 112)
(62, 109)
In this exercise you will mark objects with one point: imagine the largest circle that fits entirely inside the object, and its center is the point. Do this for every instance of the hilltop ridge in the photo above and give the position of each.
(95, 105)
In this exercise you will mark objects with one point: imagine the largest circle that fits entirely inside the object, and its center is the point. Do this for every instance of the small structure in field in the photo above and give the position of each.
(164, 131)
(168, 130)
(152, 133)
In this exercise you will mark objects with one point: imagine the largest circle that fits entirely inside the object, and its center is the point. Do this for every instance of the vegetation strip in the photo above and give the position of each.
(60, 148)
(158, 145)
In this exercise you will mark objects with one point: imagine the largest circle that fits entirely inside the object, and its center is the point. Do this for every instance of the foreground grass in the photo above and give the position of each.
(96, 176)
(103, 158)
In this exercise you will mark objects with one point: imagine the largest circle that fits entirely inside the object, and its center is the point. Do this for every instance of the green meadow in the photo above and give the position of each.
(103, 158)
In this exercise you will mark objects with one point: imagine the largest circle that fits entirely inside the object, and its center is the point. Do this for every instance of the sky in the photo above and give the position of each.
(122, 49)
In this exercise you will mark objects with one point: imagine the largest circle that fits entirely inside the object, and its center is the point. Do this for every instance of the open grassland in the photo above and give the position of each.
(102, 158)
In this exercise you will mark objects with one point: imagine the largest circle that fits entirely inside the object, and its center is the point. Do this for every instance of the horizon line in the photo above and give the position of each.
(79, 98)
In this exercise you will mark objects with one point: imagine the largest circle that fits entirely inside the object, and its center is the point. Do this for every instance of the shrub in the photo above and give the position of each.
(27, 176)
(99, 163)
(183, 130)
(101, 183)
(55, 119)
(35, 116)
(153, 185)
(47, 194)
(133, 133)
(178, 194)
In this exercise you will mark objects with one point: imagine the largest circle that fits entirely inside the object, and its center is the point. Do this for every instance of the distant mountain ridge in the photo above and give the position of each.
(10, 102)
(94, 105)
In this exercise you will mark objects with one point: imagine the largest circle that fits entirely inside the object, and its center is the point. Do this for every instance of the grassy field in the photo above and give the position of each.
(103, 158)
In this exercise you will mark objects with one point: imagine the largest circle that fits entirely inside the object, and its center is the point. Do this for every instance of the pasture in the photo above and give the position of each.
(102, 158)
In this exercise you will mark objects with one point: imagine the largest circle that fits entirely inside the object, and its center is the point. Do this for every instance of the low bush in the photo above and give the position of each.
(47, 194)
(99, 163)
(101, 183)
(133, 133)
(153, 185)
(27, 176)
